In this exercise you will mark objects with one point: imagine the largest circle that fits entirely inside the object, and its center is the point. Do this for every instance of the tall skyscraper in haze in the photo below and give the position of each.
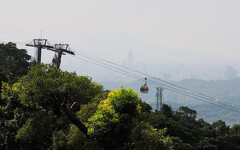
(130, 59)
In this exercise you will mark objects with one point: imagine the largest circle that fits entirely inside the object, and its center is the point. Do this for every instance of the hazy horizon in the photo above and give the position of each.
(157, 32)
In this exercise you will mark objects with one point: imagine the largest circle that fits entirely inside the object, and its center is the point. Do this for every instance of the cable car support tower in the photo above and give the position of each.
(39, 44)
(59, 49)
(159, 96)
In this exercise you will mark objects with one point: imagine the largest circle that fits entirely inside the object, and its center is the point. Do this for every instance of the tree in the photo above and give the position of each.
(235, 129)
(185, 130)
(4, 76)
(14, 60)
(52, 109)
(188, 112)
(49, 95)
(167, 111)
(116, 123)
(215, 136)
(114, 119)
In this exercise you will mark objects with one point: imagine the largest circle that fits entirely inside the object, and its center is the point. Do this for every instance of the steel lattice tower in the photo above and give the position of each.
(159, 97)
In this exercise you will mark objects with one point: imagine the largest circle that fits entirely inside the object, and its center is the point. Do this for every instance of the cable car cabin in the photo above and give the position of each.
(144, 88)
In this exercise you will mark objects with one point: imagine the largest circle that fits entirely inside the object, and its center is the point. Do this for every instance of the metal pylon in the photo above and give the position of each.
(39, 44)
(159, 97)
(60, 49)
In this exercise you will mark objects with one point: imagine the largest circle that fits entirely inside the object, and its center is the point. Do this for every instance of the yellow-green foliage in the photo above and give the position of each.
(9, 95)
(9, 92)
(117, 123)
(120, 105)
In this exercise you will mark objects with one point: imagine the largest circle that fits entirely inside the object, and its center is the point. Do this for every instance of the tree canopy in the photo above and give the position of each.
(43, 107)
(50, 108)
(13, 60)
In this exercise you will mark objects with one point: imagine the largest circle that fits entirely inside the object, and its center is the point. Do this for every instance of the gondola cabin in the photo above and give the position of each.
(144, 88)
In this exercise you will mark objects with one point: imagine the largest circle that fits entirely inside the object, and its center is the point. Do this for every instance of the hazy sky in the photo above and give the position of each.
(110, 28)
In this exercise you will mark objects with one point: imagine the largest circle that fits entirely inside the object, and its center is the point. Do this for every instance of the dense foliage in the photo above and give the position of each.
(13, 60)
(49, 108)
(192, 134)
(118, 124)
(42, 102)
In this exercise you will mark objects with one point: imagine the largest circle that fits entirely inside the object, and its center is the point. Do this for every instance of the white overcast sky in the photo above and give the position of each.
(110, 28)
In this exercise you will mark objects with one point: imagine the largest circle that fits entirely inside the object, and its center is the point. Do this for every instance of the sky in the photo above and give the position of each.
(154, 30)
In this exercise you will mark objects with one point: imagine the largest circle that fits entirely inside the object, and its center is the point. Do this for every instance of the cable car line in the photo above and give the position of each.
(163, 84)
(146, 75)
(204, 100)
(107, 67)
(197, 93)
(179, 89)
(171, 89)
(166, 88)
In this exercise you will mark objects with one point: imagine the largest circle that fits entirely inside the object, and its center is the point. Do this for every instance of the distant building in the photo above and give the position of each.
(230, 73)
(130, 59)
